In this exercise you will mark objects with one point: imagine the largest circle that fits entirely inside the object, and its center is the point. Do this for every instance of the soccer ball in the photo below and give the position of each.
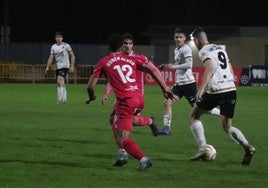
(210, 153)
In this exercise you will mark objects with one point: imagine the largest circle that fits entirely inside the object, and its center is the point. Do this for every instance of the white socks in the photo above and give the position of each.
(199, 134)
(62, 94)
(59, 91)
(237, 136)
(167, 120)
(122, 151)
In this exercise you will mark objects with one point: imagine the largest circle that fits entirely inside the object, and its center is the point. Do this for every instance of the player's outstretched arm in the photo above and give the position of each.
(169, 95)
(91, 95)
(90, 89)
(106, 94)
(158, 78)
(49, 62)
(165, 66)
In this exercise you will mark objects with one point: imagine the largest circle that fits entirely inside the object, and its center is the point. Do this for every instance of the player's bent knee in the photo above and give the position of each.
(122, 135)
(167, 103)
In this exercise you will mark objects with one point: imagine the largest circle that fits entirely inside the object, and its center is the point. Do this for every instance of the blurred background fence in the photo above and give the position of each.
(16, 72)
(255, 75)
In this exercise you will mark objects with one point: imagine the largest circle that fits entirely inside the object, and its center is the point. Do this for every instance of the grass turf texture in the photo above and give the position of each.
(43, 144)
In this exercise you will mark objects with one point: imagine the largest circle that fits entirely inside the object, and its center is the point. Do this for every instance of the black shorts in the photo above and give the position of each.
(188, 91)
(226, 101)
(62, 72)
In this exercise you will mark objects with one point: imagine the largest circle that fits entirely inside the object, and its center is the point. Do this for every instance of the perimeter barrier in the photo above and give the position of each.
(15, 72)
(255, 75)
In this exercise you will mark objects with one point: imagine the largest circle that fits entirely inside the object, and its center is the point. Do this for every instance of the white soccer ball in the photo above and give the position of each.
(210, 153)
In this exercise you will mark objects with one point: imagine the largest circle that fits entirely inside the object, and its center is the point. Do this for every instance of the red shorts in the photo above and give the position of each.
(124, 112)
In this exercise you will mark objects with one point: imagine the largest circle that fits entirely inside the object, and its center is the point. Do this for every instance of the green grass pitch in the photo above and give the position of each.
(43, 144)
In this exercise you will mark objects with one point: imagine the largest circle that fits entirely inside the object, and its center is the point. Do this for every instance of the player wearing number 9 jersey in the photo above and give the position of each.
(121, 72)
(222, 79)
(217, 89)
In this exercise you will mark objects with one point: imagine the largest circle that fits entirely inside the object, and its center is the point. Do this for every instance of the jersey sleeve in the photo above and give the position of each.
(98, 70)
(68, 47)
(52, 50)
(142, 59)
(187, 52)
(204, 55)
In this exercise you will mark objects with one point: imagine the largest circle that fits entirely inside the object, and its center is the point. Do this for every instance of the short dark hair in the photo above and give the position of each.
(179, 30)
(115, 42)
(58, 33)
(128, 36)
(196, 31)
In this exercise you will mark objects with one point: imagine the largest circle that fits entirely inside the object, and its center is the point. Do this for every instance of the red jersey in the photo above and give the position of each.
(140, 80)
(140, 74)
(122, 73)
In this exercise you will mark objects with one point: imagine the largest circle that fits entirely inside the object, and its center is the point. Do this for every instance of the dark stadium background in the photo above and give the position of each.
(91, 21)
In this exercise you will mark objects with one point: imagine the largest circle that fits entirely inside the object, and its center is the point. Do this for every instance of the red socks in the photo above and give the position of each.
(132, 148)
(143, 121)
